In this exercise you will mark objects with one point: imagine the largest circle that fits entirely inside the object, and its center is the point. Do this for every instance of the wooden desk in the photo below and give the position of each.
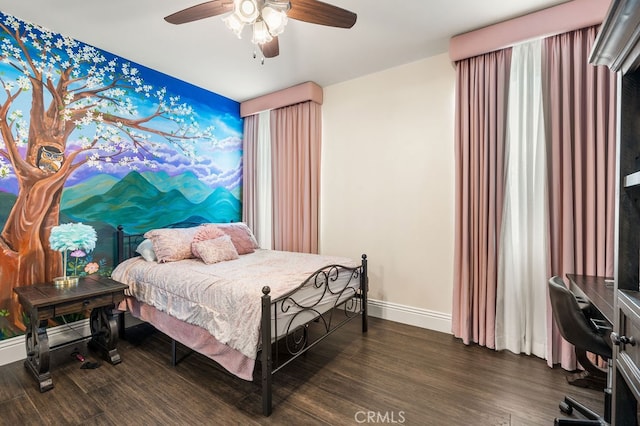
(42, 302)
(597, 290)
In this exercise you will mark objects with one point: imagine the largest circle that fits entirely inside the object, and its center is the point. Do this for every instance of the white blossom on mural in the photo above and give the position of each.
(69, 111)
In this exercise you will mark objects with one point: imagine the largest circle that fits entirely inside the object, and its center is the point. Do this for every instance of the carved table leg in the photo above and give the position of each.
(104, 333)
(37, 343)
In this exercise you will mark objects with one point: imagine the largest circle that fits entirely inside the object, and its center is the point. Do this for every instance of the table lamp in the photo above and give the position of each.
(71, 236)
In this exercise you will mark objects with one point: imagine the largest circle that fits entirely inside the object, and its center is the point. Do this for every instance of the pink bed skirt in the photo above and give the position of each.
(192, 336)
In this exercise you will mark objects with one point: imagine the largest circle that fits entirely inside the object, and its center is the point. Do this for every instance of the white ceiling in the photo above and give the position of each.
(387, 33)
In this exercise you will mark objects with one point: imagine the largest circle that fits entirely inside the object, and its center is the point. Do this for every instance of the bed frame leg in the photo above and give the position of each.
(266, 357)
(364, 288)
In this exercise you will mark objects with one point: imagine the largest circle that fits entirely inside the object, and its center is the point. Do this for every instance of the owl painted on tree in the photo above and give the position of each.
(50, 159)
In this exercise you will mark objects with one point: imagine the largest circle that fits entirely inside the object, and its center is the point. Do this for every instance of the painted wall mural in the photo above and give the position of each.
(86, 136)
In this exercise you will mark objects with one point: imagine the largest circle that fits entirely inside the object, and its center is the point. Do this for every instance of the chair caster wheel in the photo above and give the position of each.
(565, 408)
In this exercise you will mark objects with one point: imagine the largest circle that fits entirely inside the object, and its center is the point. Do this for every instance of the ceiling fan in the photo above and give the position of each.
(266, 17)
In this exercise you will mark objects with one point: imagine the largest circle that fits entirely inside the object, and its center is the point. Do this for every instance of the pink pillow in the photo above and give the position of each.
(216, 250)
(205, 232)
(241, 236)
(171, 244)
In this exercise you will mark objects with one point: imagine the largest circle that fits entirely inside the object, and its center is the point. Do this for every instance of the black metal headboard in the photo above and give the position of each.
(126, 245)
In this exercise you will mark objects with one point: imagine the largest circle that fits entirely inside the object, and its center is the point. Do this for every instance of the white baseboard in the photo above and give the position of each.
(423, 318)
(14, 349)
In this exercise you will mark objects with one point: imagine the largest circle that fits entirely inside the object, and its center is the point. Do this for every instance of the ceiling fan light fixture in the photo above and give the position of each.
(234, 23)
(275, 19)
(247, 10)
(261, 33)
(267, 18)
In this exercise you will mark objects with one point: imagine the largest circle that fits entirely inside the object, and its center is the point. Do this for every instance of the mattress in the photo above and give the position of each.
(225, 298)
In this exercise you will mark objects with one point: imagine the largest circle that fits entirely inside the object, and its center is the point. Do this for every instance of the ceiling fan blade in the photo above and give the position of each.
(270, 49)
(317, 12)
(200, 11)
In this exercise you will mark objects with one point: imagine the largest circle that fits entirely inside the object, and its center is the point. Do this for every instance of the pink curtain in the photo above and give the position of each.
(295, 146)
(481, 107)
(581, 119)
(249, 181)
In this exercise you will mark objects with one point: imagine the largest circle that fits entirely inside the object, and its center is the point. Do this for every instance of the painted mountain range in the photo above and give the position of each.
(140, 203)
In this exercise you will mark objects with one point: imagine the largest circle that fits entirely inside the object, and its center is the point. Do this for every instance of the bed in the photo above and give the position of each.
(227, 310)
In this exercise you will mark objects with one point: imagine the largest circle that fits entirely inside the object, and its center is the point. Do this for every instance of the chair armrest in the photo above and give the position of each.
(600, 325)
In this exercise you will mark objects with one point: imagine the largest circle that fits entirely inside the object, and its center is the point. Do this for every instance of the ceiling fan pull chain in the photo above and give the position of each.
(255, 55)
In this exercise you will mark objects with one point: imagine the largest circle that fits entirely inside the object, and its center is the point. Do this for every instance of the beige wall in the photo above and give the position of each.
(387, 184)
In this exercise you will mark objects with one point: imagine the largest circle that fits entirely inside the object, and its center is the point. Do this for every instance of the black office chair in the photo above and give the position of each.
(576, 329)
(592, 376)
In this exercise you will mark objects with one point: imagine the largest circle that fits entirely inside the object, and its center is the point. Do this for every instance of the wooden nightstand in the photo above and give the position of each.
(42, 302)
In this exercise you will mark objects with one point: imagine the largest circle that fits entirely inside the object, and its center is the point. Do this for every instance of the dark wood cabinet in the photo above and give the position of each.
(618, 47)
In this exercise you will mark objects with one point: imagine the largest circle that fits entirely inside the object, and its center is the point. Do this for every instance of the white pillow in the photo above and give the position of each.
(145, 249)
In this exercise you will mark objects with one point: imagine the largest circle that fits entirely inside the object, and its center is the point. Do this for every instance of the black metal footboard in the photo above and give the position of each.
(347, 301)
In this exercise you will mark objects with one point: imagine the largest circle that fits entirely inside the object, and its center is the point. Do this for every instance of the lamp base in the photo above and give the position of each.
(65, 281)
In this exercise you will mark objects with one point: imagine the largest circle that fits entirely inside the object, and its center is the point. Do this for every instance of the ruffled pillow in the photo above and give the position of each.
(241, 236)
(216, 250)
(205, 232)
(171, 244)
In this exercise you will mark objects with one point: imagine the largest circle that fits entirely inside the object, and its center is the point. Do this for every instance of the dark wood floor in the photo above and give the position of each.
(395, 374)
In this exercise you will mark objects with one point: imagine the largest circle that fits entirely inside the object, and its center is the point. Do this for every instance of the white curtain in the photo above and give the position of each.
(264, 215)
(522, 264)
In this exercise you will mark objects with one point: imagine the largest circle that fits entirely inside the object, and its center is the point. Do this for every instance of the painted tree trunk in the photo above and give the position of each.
(26, 258)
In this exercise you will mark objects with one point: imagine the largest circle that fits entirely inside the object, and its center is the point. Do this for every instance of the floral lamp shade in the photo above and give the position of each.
(71, 237)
